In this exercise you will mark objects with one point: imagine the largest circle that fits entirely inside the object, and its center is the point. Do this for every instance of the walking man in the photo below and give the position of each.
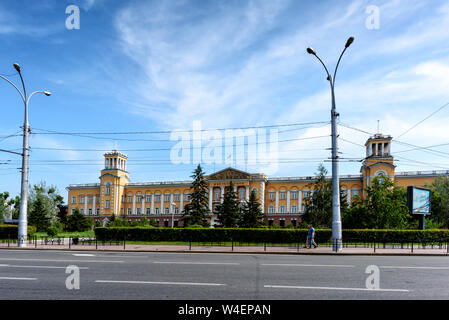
(311, 237)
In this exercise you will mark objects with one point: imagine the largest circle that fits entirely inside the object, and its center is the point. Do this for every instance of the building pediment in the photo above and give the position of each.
(229, 174)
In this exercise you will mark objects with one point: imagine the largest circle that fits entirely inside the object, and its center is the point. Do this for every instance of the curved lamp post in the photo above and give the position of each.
(337, 240)
(23, 223)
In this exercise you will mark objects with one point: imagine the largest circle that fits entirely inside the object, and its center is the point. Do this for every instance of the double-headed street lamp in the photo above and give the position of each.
(337, 240)
(23, 224)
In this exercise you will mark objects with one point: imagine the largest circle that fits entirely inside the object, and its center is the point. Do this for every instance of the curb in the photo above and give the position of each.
(244, 252)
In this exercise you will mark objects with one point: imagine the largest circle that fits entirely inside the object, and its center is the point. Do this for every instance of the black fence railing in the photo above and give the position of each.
(74, 242)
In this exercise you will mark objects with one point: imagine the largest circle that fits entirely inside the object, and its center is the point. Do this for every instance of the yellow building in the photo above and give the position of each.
(282, 199)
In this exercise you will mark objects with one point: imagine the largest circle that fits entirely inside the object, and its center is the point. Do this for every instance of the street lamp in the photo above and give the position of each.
(337, 241)
(173, 205)
(22, 232)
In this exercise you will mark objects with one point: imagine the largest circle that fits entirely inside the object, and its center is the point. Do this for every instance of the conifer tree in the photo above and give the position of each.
(197, 211)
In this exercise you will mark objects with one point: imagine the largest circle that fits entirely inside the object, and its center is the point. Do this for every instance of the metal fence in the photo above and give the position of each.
(91, 242)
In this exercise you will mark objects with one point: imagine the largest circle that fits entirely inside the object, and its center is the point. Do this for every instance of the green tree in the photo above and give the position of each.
(3, 204)
(197, 211)
(439, 201)
(44, 203)
(252, 216)
(229, 211)
(318, 204)
(77, 222)
(385, 207)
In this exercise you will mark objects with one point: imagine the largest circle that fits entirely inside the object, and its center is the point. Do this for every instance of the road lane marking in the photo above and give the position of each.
(412, 267)
(196, 263)
(334, 288)
(13, 278)
(163, 283)
(307, 265)
(58, 260)
(37, 267)
(83, 255)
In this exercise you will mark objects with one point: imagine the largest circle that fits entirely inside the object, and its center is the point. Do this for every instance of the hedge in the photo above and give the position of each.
(11, 231)
(262, 235)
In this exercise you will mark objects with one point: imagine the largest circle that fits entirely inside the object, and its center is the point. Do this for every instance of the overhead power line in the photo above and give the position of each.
(419, 122)
(168, 149)
(46, 131)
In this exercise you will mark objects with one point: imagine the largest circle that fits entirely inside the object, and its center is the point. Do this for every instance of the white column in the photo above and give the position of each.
(134, 205)
(382, 148)
(348, 198)
(299, 201)
(262, 196)
(162, 203)
(143, 204)
(93, 205)
(247, 193)
(152, 203)
(277, 202)
(288, 201)
(222, 194)
(116, 201)
(182, 202)
(171, 201)
(86, 199)
(211, 196)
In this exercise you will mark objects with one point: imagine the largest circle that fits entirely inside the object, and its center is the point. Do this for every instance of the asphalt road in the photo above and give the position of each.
(203, 276)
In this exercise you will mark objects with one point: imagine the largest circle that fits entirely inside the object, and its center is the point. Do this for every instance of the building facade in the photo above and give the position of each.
(282, 199)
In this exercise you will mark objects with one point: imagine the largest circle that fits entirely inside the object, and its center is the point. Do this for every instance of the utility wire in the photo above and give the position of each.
(419, 122)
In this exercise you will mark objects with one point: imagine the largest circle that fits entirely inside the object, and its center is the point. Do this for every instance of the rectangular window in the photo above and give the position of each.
(270, 209)
(167, 211)
(355, 192)
(73, 210)
(81, 199)
(129, 211)
(108, 190)
(122, 211)
(148, 211)
(167, 198)
(156, 210)
(282, 209)
(217, 195)
(98, 212)
(242, 193)
(130, 199)
(138, 211)
(293, 209)
(139, 198)
(73, 200)
(91, 199)
(123, 199)
(294, 195)
(187, 197)
(282, 195)
(282, 223)
(176, 197)
(148, 198)
(98, 198)
(271, 196)
(176, 210)
(90, 212)
(158, 198)
(82, 211)
(107, 204)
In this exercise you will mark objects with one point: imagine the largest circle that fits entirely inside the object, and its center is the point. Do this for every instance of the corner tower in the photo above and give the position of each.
(379, 160)
(113, 179)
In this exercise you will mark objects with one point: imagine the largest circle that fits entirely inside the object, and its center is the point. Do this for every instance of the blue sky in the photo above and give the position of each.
(160, 65)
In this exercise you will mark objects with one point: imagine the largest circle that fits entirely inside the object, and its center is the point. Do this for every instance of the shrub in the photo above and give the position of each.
(52, 231)
(264, 235)
(11, 231)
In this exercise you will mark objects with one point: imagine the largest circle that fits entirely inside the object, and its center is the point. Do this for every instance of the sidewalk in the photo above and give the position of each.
(235, 249)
